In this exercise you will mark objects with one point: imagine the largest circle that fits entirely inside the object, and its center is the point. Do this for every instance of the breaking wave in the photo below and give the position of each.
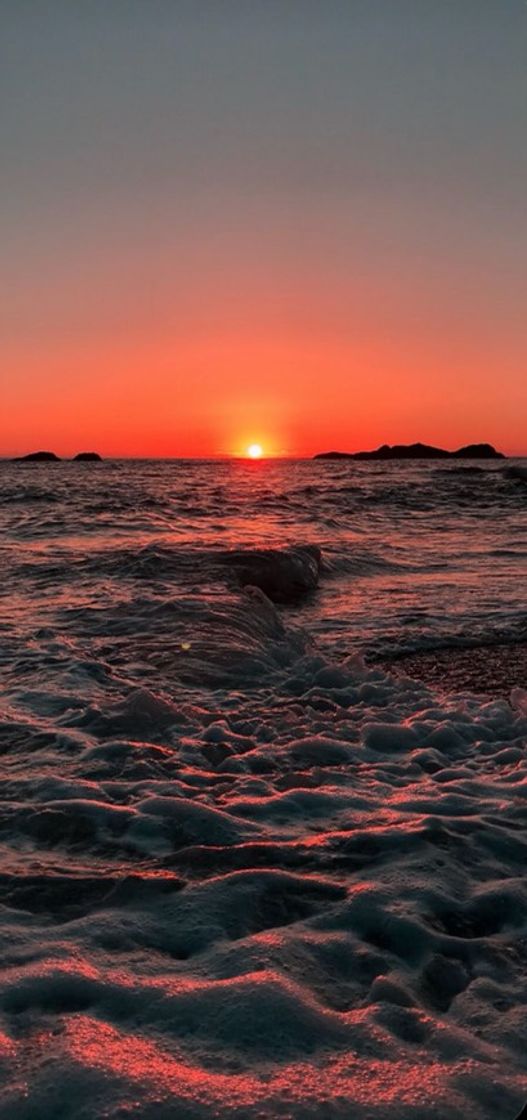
(247, 872)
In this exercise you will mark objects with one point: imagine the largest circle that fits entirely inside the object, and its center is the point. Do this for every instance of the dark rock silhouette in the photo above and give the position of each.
(38, 457)
(50, 457)
(417, 451)
(478, 451)
(284, 575)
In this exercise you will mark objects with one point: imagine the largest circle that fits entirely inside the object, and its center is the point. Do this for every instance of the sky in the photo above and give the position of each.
(300, 223)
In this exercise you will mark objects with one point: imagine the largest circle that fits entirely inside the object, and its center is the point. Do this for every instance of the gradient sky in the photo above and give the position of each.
(301, 222)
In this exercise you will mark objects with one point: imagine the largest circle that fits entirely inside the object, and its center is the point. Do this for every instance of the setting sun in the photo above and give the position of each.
(254, 451)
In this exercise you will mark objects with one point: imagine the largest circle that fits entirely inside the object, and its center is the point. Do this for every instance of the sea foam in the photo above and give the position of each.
(246, 871)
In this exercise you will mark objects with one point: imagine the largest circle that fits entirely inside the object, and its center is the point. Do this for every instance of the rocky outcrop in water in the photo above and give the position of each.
(38, 457)
(285, 575)
(417, 451)
(478, 451)
(50, 457)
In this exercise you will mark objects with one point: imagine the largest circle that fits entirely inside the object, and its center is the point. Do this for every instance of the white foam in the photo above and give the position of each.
(240, 876)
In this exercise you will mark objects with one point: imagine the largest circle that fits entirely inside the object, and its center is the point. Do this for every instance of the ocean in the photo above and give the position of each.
(249, 870)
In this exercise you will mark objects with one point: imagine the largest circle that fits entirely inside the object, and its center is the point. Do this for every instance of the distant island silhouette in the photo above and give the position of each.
(417, 451)
(50, 457)
(38, 457)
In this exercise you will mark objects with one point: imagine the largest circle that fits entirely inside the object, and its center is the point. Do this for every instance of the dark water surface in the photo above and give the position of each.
(415, 555)
(244, 874)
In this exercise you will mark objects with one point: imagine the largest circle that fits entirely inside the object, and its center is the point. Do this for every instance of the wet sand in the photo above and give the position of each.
(486, 670)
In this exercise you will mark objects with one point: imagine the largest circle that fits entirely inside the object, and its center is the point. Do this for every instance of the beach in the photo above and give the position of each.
(491, 671)
(263, 852)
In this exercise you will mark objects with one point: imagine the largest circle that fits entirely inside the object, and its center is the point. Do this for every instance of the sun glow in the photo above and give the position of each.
(255, 451)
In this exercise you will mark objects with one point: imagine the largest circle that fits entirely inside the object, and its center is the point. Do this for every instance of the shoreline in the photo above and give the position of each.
(486, 670)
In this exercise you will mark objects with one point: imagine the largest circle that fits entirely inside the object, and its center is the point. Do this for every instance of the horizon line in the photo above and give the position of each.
(225, 457)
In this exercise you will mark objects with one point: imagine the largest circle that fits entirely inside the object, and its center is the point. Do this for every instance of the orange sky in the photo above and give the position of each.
(181, 349)
(302, 232)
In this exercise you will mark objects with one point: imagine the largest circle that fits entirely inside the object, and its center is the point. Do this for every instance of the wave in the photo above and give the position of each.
(464, 471)
(516, 472)
(362, 562)
(285, 575)
(27, 496)
(246, 872)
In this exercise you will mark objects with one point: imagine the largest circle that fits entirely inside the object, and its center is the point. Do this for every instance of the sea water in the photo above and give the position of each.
(246, 871)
